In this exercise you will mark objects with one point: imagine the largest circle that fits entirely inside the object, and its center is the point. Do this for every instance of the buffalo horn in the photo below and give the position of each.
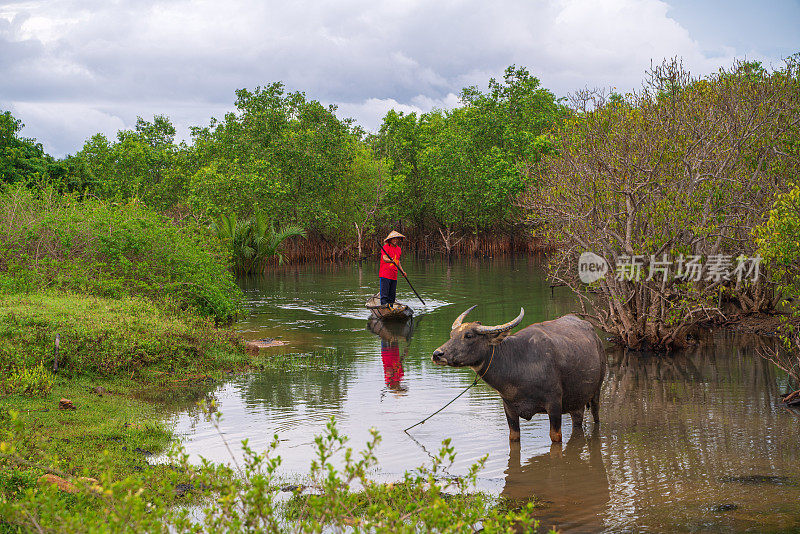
(460, 318)
(501, 327)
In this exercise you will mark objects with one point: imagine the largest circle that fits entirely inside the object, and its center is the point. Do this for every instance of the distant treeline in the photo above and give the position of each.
(702, 169)
(447, 173)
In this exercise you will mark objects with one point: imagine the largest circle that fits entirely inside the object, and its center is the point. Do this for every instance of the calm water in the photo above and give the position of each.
(693, 442)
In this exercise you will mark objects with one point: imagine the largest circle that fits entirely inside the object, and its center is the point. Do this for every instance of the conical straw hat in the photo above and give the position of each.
(393, 234)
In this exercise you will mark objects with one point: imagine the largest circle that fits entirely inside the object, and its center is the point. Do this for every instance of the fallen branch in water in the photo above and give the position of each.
(792, 398)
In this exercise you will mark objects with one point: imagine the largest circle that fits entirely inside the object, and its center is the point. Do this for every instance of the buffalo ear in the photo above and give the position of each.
(498, 338)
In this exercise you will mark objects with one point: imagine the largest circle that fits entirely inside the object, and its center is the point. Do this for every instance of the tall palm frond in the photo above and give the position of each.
(277, 237)
(254, 241)
(225, 226)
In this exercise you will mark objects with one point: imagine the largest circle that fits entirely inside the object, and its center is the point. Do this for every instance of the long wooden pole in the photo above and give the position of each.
(404, 274)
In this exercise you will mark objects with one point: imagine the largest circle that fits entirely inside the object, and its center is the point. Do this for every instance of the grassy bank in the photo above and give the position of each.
(113, 354)
(113, 433)
(128, 337)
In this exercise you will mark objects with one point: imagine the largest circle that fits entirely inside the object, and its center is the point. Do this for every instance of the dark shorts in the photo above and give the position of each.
(388, 290)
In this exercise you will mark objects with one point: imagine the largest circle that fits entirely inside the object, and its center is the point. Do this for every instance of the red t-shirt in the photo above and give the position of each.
(388, 270)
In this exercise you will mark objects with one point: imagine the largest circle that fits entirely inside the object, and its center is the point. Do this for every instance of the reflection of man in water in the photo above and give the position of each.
(392, 363)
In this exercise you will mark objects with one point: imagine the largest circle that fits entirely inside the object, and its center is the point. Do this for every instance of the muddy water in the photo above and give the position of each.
(694, 442)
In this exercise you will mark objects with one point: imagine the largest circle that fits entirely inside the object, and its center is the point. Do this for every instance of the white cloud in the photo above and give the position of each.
(190, 55)
(370, 112)
(63, 124)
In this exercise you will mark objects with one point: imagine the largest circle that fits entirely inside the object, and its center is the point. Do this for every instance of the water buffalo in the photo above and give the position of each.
(552, 367)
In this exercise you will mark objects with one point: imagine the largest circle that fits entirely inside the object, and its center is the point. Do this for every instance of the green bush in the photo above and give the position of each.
(48, 240)
(779, 241)
(253, 242)
(30, 381)
(779, 244)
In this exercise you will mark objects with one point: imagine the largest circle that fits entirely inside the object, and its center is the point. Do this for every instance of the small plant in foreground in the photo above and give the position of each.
(243, 496)
(29, 381)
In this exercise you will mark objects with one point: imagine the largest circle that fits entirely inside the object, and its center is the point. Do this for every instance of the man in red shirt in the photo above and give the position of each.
(388, 272)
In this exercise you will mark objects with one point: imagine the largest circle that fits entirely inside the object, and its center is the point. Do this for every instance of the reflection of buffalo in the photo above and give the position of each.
(572, 485)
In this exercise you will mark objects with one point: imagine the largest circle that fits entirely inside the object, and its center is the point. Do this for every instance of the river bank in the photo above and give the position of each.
(89, 404)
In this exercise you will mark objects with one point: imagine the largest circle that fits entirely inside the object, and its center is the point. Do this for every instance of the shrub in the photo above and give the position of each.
(30, 381)
(253, 242)
(779, 243)
(47, 240)
(779, 240)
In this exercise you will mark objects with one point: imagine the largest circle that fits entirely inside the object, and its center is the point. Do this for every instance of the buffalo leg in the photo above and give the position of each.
(554, 412)
(595, 406)
(513, 422)
(577, 419)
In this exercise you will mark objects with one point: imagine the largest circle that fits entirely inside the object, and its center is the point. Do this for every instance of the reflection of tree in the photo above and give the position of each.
(675, 425)
(308, 388)
(572, 484)
(175, 399)
(725, 359)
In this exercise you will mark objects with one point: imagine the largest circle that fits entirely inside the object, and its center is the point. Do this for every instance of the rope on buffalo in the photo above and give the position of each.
(477, 377)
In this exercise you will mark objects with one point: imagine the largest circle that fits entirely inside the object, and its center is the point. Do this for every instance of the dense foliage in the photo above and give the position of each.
(279, 153)
(686, 168)
(25, 161)
(292, 159)
(143, 163)
(464, 169)
(56, 241)
(779, 238)
(779, 243)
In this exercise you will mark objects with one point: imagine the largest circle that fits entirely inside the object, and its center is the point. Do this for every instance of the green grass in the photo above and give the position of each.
(109, 438)
(144, 354)
(141, 353)
(130, 337)
(127, 428)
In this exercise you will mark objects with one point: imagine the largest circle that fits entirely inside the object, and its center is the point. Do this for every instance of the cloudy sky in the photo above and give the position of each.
(72, 68)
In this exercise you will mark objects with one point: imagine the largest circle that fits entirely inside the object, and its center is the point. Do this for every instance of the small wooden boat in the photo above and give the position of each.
(394, 312)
